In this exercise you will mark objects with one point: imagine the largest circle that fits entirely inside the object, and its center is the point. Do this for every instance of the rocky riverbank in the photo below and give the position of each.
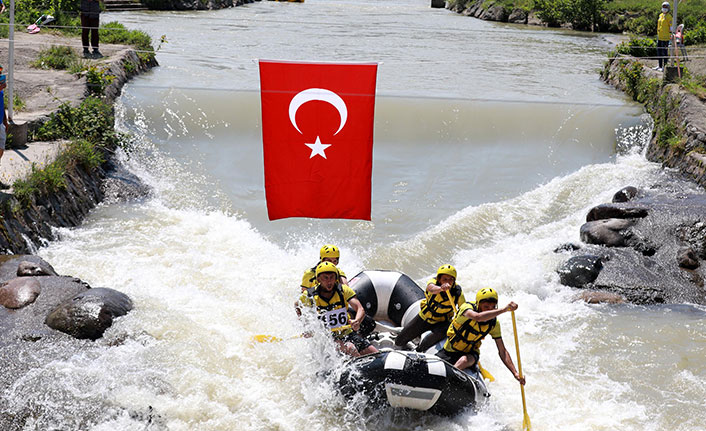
(649, 246)
(47, 200)
(193, 4)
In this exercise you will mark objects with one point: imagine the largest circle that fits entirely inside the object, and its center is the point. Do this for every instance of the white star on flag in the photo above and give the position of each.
(317, 148)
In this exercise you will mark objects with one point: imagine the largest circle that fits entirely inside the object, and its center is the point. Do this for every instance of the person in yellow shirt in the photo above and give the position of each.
(470, 325)
(436, 310)
(333, 300)
(664, 33)
(328, 253)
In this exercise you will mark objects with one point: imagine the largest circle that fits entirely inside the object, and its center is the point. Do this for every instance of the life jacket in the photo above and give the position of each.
(435, 307)
(332, 312)
(464, 334)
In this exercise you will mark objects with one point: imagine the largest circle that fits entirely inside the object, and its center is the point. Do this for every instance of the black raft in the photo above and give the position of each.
(419, 381)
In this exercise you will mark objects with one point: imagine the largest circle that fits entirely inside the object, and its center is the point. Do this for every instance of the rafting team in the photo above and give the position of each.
(326, 287)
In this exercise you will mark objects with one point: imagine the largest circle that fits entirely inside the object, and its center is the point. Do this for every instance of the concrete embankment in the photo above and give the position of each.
(679, 140)
(27, 223)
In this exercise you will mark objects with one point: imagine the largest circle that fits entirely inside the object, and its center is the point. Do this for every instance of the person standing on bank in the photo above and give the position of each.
(436, 310)
(471, 324)
(3, 125)
(664, 33)
(90, 21)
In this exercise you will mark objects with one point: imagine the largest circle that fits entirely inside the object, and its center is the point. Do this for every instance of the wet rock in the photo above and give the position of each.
(610, 232)
(19, 292)
(625, 194)
(608, 211)
(26, 268)
(686, 258)
(518, 16)
(567, 247)
(495, 12)
(89, 314)
(10, 265)
(580, 270)
(600, 297)
(120, 185)
(651, 247)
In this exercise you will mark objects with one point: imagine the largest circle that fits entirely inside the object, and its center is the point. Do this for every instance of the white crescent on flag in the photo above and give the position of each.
(317, 94)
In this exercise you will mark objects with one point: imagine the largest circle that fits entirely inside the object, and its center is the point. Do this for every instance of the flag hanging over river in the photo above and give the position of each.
(317, 136)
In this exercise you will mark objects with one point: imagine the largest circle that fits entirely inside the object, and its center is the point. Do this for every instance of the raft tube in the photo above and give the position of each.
(412, 380)
(388, 296)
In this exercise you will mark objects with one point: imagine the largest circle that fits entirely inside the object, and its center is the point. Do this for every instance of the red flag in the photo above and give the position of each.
(317, 136)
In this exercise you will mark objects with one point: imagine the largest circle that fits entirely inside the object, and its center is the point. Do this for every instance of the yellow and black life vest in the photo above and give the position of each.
(464, 334)
(338, 322)
(436, 307)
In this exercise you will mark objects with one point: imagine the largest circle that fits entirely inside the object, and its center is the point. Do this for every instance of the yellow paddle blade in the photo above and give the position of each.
(526, 425)
(485, 373)
(262, 338)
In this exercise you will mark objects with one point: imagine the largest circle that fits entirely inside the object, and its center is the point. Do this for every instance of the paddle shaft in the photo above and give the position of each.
(519, 370)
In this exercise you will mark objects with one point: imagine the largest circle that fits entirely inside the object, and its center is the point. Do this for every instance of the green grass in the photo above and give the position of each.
(56, 57)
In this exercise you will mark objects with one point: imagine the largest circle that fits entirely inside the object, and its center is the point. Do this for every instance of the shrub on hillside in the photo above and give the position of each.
(638, 47)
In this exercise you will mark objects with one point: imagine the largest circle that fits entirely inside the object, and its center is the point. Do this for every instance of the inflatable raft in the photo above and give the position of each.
(399, 378)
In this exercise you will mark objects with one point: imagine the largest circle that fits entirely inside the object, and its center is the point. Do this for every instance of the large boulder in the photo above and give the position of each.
(19, 292)
(579, 271)
(611, 232)
(18, 265)
(28, 321)
(651, 246)
(90, 313)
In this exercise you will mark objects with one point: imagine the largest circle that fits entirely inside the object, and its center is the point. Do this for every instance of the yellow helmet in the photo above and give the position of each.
(446, 269)
(326, 267)
(486, 293)
(329, 250)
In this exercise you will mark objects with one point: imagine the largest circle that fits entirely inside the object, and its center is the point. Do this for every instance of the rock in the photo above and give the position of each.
(19, 292)
(580, 270)
(26, 268)
(608, 211)
(686, 258)
(567, 247)
(89, 314)
(625, 194)
(10, 265)
(533, 19)
(518, 16)
(438, 3)
(495, 12)
(120, 185)
(611, 232)
(600, 296)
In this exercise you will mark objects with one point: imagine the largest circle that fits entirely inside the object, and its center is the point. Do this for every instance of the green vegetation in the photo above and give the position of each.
(631, 16)
(638, 47)
(56, 57)
(17, 103)
(89, 128)
(695, 84)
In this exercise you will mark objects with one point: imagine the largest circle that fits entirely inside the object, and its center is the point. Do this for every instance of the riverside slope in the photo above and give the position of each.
(24, 228)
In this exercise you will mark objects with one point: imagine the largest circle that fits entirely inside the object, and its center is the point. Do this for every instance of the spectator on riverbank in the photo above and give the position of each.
(90, 21)
(664, 33)
(2, 6)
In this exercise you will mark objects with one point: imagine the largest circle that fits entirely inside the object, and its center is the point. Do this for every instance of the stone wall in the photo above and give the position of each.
(666, 103)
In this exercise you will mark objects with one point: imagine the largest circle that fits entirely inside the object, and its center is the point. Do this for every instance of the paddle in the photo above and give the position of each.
(526, 420)
(263, 338)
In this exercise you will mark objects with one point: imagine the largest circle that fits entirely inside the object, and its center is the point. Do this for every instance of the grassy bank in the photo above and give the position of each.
(631, 16)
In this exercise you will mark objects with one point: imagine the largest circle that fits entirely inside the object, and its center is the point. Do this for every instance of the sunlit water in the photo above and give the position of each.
(492, 187)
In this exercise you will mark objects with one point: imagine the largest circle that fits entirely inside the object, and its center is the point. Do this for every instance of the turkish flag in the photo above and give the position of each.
(317, 138)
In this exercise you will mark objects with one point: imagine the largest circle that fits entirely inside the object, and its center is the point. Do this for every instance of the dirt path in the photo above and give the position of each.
(43, 91)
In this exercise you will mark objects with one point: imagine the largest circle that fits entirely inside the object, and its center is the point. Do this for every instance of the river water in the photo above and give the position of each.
(492, 142)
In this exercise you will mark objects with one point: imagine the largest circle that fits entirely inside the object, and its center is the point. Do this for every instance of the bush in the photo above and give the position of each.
(638, 47)
(56, 57)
